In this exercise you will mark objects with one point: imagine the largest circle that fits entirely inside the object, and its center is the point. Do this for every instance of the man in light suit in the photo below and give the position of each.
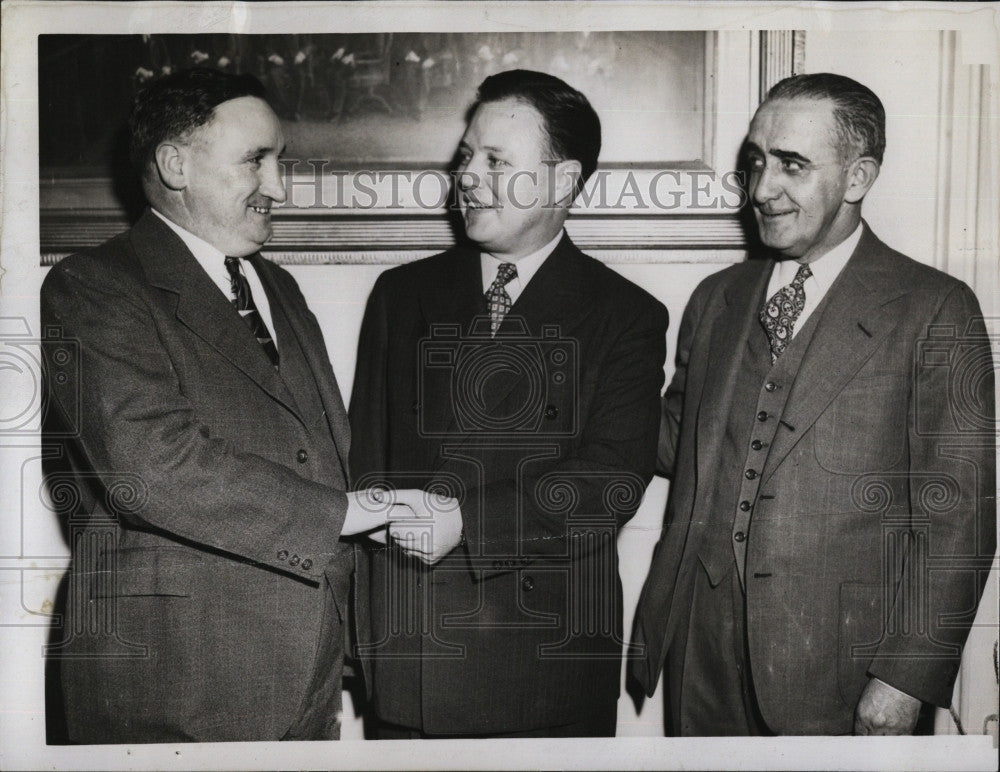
(829, 435)
(208, 444)
(520, 378)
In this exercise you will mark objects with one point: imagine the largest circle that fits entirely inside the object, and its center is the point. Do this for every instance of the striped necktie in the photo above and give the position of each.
(243, 302)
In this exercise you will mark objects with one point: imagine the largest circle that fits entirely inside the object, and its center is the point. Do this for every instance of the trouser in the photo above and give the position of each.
(709, 680)
(319, 715)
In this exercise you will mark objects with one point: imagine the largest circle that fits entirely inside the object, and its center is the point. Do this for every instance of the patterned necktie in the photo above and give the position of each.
(780, 312)
(497, 297)
(243, 302)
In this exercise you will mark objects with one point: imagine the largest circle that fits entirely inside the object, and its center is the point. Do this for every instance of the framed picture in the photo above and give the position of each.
(372, 121)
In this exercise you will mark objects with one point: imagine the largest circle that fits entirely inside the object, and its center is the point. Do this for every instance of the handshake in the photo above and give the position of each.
(424, 524)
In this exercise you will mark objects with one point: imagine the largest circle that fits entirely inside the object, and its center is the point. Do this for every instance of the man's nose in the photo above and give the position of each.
(468, 179)
(763, 185)
(272, 182)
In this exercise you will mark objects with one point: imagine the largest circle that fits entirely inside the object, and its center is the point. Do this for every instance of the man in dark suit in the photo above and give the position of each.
(521, 378)
(208, 587)
(829, 435)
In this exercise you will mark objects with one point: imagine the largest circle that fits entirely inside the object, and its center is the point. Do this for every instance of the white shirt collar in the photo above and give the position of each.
(208, 257)
(825, 269)
(527, 267)
(213, 262)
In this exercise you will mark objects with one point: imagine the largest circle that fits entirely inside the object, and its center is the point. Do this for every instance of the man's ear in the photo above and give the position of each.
(564, 184)
(170, 165)
(861, 176)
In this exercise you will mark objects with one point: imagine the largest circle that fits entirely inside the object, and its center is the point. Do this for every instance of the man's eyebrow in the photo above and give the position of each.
(262, 150)
(789, 155)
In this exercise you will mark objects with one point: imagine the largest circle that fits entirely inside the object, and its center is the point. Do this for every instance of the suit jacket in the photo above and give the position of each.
(547, 436)
(874, 527)
(205, 544)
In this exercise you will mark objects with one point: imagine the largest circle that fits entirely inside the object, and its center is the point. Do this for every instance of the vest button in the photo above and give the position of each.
(756, 444)
(770, 386)
(750, 474)
(762, 415)
(301, 456)
(527, 584)
(745, 506)
(415, 407)
(740, 536)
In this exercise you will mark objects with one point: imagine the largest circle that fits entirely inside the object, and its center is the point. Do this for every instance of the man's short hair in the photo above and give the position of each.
(173, 106)
(859, 114)
(573, 128)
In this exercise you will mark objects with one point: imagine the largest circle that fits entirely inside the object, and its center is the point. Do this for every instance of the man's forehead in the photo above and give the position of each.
(246, 117)
(495, 120)
(795, 111)
(803, 120)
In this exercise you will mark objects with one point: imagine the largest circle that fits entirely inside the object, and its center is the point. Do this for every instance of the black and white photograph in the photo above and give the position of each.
(499, 385)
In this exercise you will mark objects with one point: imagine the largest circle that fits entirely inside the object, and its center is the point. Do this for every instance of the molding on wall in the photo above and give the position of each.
(314, 239)
(967, 224)
(782, 53)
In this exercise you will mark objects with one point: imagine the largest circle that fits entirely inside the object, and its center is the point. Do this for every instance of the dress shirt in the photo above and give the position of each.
(527, 267)
(825, 270)
(214, 263)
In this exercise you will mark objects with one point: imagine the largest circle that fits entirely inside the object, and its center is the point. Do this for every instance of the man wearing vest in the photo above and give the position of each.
(829, 437)
(208, 447)
(522, 378)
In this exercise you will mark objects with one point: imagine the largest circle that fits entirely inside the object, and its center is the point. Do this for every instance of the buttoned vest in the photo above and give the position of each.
(754, 417)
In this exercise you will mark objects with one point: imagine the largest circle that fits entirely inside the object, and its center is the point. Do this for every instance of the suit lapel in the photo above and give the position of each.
(170, 266)
(731, 334)
(556, 298)
(858, 316)
(310, 339)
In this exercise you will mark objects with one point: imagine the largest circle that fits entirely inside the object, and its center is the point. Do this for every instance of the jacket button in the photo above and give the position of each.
(307, 564)
(294, 560)
(282, 554)
(756, 444)
(750, 474)
(744, 506)
(770, 386)
(762, 415)
(527, 584)
(739, 536)
(302, 456)
(415, 407)
(551, 412)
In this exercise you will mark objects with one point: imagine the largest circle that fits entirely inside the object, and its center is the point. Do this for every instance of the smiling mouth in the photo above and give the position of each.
(265, 210)
(772, 215)
(477, 206)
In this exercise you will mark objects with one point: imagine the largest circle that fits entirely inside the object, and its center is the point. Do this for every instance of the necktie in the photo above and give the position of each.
(243, 302)
(780, 312)
(497, 297)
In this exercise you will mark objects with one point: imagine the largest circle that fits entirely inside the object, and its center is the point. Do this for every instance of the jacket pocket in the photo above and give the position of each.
(139, 571)
(864, 428)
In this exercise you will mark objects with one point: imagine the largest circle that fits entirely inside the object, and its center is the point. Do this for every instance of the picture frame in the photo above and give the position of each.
(645, 205)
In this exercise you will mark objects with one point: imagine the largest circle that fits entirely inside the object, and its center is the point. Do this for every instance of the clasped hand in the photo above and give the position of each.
(424, 524)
